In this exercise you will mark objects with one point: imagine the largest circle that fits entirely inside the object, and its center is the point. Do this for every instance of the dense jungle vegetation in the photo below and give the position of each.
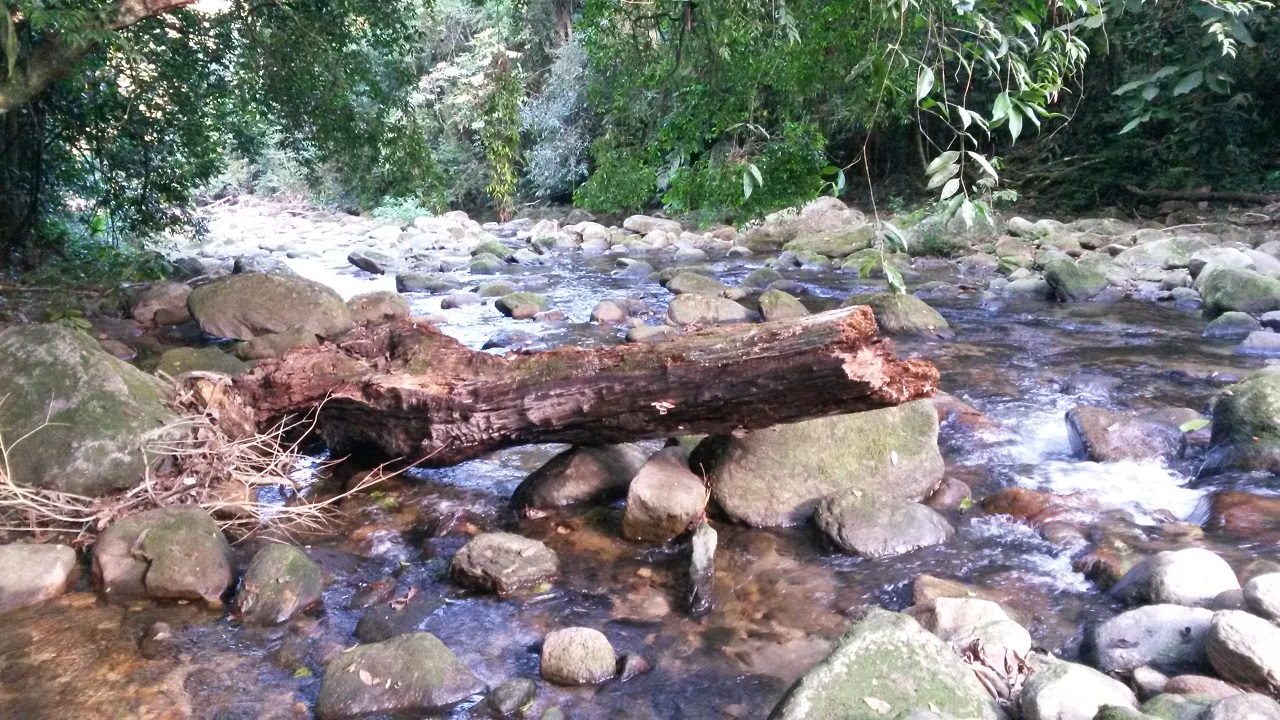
(116, 114)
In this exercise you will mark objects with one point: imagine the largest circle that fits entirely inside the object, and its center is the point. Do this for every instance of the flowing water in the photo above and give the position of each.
(781, 595)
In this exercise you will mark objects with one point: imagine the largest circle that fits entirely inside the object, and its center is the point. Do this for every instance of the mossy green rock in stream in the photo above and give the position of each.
(1073, 282)
(492, 247)
(521, 305)
(1176, 707)
(1162, 254)
(1225, 289)
(426, 282)
(885, 665)
(689, 283)
(280, 582)
(412, 673)
(85, 415)
(901, 314)
(777, 476)
(170, 553)
(1246, 427)
(246, 306)
(838, 243)
(486, 264)
(778, 305)
(209, 359)
(275, 345)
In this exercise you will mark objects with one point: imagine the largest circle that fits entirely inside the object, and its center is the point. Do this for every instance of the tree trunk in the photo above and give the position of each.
(407, 390)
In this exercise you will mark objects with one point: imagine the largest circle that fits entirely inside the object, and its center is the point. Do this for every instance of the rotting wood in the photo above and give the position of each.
(408, 390)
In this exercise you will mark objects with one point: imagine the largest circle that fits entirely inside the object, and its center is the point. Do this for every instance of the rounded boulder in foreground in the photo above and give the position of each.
(577, 656)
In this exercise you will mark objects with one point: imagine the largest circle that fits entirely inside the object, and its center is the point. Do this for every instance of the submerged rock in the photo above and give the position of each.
(412, 673)
(512, 696)
(504, 562)
(86, 416)
(1231, 326)
(577, 656)
(885, 665)
(32, 574)
(870, 525)
(581, 474)
(777, 476)
(171, 553)
(246, 306)
(280, 582)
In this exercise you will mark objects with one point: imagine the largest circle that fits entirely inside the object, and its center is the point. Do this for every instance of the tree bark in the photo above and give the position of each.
(409, 391)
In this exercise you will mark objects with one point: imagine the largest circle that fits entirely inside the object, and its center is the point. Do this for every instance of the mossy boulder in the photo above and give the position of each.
(280, 582)
(429, 282)
(1073, 282)
(901, 314)
(1246, 426)
(870, 263)
(778, 475)
(1161, 254)
(521, 305)
(778, 305)
(492, 247)
(171, 553)
(378, 308)
(486, 264)
(838, 243)
(886, 665)
(410, 674)
(275, 345)
(85, 415)
(1225, 289)
(208, 359)
(872, 526)
(693, 309)
(246, 306)
(689, 283)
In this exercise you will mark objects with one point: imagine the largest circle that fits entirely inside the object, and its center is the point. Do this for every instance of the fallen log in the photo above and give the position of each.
(1248, 198)
(408, 390)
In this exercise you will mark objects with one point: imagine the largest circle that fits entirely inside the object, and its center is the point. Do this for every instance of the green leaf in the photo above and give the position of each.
(943, 175)
(924, 82)
(1189, 83)
(1129, 87)
(1001, 108)
(1149, 92)
(951, 188)
(1132, 124)
(302, 672)
(1015, 125)
(747, 185)
(982, 163)
(755, 172)
(894, 277)
(941, 161)
(1191, 426)
(1164, 72)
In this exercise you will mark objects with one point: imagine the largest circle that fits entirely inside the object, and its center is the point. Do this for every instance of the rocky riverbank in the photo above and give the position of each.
(1082, 526)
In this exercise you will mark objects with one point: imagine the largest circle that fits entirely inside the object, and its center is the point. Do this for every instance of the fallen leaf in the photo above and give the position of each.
(877, 704)
(365, 677)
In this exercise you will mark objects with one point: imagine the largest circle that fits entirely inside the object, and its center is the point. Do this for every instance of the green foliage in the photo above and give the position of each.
(557, 124)
(624, 180)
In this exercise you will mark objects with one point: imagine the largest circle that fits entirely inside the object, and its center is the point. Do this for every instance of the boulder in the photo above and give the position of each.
(412, 673)
(32, 574)
(704, 310)
(1226, 289)
(837, 243)
(872, 526)
(1244, 649)
(1209, 258)
(509, 698)
(1104, 436)
(821, 214)
(778, 305)
(426, 282)
(86, 416)
(1260, 343)
(1262, 596)
(690, 283)
(162, 304)
(581, 474)
(1231, 326)
(577, 656)
(778, 475)
(1073, 282)
(887, 664)
(1161, 254)
(1169, 638)
(170, 553)
(378, 308)
(664, 499)
(486, 264)
(280, 582)
(274, 345)
(208, 359)
(644, 224)
(1250, 706)
(1246, 427)
(503, 563)
(491, 247)
(521, 305)
(1068, 691)
(901, 314)
(961, 621)
(389, 619)
(1209, 687)
(1192, 577)
(608, 312)
(246, 306)
(372, 261)
(763, 277)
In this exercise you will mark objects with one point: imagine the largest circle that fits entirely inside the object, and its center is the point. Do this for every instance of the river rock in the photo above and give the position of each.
(1105, 436)
(884, 665)
(777, 476)
(869, 525)
(1161, 254)
(253, 304)
(664, 499)
(1225, 289)
(280, 581)
(644, 224)
(1260, 343)
(378, 308)
(274, 345)
(426, 282)
(960, 621)
(32, 574)
(486, 264)
(1073, 282)
(838, 243)
(1231, 326)
(577, 656)
(690, 283)
(387, 620)
(412, 673)
(581, 474)
(512, 696)
(778, 305)
(901, 314)
(821, 214)
(1168, 706)
(178, 361)
(170, 553)
(1262, 596)
(702, 571)
(162, 304)
(1250, 706)
(1209, 687)
(1169, 638)
(491, 247)
(503, 563)
(763, 277)
(1246, 427)
(521, 305)
(86, 415)
(1244, 649)
(608, 312)
(1067, 691)
(372, 261)
(1192, 577)
(690, 309)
